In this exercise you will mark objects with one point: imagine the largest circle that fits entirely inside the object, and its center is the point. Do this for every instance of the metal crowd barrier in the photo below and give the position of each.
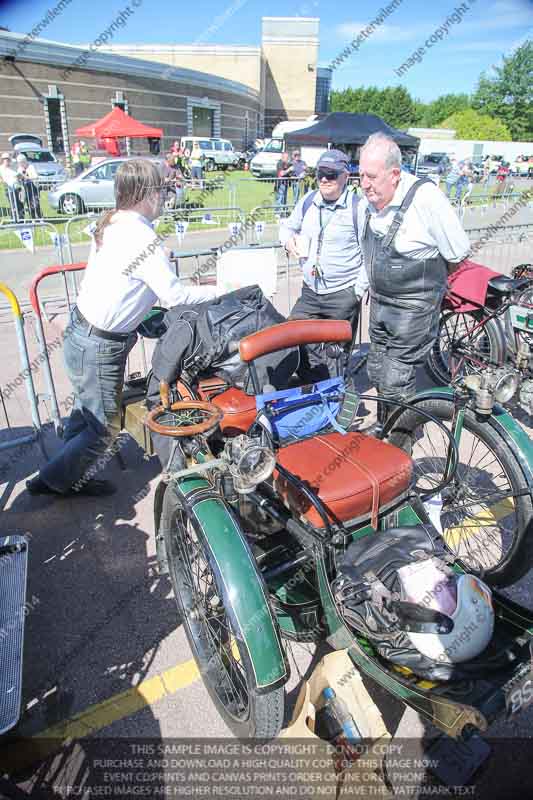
(505, 246)
(34, 226)
(41, 336)
(25, 376)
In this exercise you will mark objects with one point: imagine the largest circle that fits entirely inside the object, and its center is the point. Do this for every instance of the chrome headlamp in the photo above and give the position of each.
(494, 385)
(250, 462)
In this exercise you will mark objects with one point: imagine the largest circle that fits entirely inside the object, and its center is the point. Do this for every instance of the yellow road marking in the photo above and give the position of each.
(49, 741)
(472, 525)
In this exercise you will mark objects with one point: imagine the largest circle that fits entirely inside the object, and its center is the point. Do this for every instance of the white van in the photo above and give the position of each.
(263, 165)
(219, 153)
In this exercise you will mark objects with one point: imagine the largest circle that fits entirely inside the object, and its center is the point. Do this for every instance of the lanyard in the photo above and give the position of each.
(317, 271)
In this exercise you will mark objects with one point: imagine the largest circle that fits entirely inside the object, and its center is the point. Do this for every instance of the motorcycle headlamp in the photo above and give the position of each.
(250, 462)
(505, 386)
(493, 385)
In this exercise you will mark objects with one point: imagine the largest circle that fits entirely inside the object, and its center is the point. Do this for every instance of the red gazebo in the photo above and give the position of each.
(116, 125)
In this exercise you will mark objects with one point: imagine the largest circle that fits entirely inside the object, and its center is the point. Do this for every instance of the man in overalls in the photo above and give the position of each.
(408, 233)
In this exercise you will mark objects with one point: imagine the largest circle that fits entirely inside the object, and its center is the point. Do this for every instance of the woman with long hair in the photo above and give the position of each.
(126, 273)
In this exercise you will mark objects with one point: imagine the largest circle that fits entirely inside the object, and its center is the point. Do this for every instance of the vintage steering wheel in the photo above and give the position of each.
(184, 418)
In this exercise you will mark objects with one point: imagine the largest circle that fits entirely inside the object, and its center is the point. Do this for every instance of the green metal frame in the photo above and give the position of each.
(246, 595)
(519, 442)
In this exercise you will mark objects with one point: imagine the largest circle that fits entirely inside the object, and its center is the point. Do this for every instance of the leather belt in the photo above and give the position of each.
(113, 337)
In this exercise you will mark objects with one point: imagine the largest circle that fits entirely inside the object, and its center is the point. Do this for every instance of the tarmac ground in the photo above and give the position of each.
(106, 660)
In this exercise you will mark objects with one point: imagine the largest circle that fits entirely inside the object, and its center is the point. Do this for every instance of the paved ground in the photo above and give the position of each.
(105, 655)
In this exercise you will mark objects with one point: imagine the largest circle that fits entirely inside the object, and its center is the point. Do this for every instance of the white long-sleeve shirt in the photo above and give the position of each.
(127, 275)
(430, 226)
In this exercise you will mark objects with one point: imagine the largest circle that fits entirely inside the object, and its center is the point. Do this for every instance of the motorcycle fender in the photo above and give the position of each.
(245, 598)
(500, 419)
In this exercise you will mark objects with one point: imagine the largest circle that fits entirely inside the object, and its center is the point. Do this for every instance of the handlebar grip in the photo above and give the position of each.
(164, 393)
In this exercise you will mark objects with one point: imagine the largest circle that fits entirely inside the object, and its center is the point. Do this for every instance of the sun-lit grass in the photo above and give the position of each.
(239, 190)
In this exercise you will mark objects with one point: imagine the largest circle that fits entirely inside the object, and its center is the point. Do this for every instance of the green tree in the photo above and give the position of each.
(509, 95)
(470, 124)
(443, 107)
(393, 104)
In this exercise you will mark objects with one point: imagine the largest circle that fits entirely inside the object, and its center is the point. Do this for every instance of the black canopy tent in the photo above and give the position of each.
(340, 128)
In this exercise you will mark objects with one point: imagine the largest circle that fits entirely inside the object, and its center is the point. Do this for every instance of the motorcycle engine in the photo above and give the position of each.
(526, 396)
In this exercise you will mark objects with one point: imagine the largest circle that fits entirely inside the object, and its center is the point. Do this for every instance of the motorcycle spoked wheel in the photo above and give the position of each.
(485, 523)
(479, 346)
(222, 659)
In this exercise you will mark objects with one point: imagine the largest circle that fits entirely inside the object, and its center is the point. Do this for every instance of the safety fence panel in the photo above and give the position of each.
(501, 247)
(16, 417)
(200, 266)
(216, 225)
(40, 243)
(137, 360)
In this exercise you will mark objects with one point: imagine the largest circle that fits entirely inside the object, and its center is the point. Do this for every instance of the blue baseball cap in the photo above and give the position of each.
(335, 160)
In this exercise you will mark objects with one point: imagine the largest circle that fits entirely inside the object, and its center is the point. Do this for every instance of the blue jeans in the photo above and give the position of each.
(95, 368)
(281, 194)
(460, 187)
(17, 206)
(296, 186)
(449, 187)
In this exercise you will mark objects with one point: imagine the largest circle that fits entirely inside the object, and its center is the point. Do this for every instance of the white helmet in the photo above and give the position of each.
(465, 599)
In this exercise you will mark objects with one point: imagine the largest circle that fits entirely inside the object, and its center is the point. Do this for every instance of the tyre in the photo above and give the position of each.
(463, 346)
(485, 523)
(209, 165)
(71, 204)
(206, 615)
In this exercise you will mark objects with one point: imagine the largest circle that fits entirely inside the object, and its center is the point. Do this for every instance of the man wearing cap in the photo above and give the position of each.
(9, 176)
(321, 233)
(409, 234)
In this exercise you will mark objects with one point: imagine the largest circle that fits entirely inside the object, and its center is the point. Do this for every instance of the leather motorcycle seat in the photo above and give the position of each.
(506, 286)
(353, 475)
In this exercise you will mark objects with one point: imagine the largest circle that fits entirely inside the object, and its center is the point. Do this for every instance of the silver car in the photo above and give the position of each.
(50, 172)
(94, 189)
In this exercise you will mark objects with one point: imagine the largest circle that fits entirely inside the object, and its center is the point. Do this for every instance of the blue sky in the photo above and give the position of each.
(487, 30)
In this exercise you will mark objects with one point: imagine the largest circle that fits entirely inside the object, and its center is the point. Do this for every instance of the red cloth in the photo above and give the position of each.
(467, 286)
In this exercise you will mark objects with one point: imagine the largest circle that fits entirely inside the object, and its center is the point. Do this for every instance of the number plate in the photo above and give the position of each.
(519, 693)
(455, 762)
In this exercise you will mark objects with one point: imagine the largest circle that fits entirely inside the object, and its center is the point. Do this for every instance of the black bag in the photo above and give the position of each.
(201, 340)
(368, 592)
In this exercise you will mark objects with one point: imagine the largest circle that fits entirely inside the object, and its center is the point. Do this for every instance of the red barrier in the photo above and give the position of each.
(44, 273)
(34, 300)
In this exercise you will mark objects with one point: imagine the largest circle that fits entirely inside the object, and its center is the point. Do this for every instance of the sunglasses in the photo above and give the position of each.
(327, 174)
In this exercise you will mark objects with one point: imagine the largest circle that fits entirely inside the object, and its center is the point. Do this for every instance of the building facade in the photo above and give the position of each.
(283, 70)
(41, 94)
(236, 92)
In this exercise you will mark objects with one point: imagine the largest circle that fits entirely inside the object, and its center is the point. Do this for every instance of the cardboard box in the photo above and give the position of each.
(338, 671)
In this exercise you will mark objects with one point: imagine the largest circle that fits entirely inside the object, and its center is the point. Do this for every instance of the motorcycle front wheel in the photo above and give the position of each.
(205, 611)
(486, 512)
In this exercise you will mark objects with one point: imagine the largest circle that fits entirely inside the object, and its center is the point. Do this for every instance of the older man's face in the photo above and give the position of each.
(377, 181)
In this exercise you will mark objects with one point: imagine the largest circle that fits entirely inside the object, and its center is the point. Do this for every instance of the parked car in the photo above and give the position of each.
(263, 165)
(218, 153)
(433, 163)
(48, 168)
(95, 189)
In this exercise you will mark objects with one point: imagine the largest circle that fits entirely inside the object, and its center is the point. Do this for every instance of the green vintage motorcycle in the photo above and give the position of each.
(252, 532)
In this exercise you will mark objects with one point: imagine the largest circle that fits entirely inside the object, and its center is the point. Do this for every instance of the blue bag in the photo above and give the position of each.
(292, 414)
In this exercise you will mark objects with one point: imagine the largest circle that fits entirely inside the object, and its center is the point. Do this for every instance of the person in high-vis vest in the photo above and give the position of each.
(409, 234)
